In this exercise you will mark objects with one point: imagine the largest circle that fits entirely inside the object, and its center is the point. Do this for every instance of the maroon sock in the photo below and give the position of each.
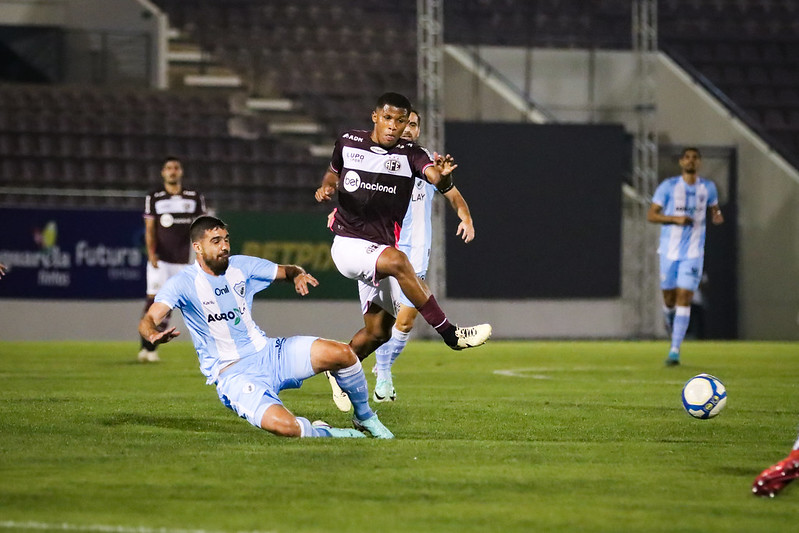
(435, 316)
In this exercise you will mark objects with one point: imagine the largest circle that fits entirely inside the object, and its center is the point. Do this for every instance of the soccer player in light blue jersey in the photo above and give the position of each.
(249, 368)
(680, 204)
(415, 240)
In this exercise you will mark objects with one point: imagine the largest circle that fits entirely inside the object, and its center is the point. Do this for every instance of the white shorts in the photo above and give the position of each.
(156, 277)
(357, 259)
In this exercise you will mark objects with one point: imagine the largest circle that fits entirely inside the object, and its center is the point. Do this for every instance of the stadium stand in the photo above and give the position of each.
(327, 59)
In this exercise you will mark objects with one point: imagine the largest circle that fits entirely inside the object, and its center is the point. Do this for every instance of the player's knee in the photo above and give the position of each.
(404, 325)
(344, 355)
(281, 426)
(395, 263)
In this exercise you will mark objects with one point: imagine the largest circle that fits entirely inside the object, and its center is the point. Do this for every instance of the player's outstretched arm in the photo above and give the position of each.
(299, 276)
(458, 203)
(148, 326)
(326, 191)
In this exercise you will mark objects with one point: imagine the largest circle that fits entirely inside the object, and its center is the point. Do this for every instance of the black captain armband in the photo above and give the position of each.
(447, 186)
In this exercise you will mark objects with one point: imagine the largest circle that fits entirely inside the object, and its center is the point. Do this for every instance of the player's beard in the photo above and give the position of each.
(218, 265)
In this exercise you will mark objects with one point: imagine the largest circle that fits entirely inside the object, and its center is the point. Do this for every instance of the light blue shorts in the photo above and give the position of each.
(404, 299)
(684, 274)
(251, 386)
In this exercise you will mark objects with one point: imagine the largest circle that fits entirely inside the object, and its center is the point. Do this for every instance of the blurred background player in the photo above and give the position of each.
(415, 241)
(374, 174)
(168, 214)
(249, 369)
(680, 204)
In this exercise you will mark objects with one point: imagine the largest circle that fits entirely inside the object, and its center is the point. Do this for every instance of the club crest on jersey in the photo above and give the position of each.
(239, 288)
(393, 164)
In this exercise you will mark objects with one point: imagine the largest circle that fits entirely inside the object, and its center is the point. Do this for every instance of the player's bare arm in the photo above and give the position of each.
(148, 325)
(656, 216)
(150, 240)
(715, 215)
(299, 276)
(2, 270)
(326, 191)
(458, 202)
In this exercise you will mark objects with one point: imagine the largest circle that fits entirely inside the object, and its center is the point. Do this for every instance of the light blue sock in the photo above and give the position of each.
(682, 317)
(668, 317)
(400, 340)
(388, 353)
(383, 359)
(353, 382)
(309, 431)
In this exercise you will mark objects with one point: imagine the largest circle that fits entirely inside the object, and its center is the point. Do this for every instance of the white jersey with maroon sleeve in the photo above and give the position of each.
(375, 185)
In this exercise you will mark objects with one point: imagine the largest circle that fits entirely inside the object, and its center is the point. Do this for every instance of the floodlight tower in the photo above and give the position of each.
(430, 71)
(642, 276)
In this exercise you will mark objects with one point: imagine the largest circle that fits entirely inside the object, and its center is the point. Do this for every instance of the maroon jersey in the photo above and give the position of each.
(375, 185)
(173, 214)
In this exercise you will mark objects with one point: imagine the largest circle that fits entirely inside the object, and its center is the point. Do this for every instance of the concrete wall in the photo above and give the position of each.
(129, 16)
(114, 320)
(583, 86)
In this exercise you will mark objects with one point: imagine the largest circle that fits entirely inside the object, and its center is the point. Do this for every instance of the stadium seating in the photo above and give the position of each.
(330, 58)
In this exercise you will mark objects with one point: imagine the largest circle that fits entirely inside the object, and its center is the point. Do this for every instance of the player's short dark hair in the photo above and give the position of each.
(202, 224)
(394, 100)
(170, 158)
(418, 115)
(690, 149)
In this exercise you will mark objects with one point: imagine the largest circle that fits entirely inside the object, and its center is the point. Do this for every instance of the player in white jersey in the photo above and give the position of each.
(249, 369)
(680, 204)
(415, 240)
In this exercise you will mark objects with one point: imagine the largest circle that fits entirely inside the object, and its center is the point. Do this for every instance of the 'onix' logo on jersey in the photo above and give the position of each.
(393, 165)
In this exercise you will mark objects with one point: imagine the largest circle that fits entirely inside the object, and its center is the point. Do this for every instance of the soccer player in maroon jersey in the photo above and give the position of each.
(168, 214)
(373, 173)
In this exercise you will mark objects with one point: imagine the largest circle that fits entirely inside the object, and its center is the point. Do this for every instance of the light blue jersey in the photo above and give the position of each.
(416, 236)
(217, 310)
(678, 198)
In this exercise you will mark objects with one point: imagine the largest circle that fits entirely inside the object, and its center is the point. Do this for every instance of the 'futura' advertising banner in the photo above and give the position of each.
(64, 254)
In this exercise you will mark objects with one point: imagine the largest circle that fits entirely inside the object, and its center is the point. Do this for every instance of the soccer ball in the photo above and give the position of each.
(704, 396)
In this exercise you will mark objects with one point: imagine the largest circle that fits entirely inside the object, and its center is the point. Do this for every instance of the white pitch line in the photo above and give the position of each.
(540, 373)
(63, 526)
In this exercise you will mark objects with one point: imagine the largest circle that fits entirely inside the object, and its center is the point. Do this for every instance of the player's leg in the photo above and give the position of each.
(669, 303)
(393, 262)
(689, 274)
(155, 279)
(342, 362)
(668, 284)
(682, 316)
(387, 353)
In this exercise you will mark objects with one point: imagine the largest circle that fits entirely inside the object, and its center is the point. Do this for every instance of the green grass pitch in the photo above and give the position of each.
(512, 436)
